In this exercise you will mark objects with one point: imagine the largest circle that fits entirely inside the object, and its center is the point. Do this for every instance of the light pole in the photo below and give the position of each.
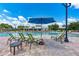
(66, 5)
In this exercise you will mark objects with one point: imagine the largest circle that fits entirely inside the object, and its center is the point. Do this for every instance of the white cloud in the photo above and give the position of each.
(59, 23)
(5, 22)
(16, 23)
(15, 19)
(5, 10)
(19, 21)
(9, 17)
(76, 5)
(9, 20)
(0, 15)
(3, 14)
(72, 20)
(4, 18)
(21, 18)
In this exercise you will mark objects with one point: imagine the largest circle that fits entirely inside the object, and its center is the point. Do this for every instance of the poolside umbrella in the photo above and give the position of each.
(41, 20)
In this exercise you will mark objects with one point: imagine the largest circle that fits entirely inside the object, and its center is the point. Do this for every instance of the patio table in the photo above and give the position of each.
(15, 44)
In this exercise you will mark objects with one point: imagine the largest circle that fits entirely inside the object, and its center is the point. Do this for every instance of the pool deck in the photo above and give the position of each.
(51, 48)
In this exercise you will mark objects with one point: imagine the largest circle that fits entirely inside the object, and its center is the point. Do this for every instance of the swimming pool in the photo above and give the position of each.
(73, 35)
(5, 34)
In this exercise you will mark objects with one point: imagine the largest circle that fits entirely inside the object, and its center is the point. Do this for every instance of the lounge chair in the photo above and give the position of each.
(32, 40)
(23, 38)
(59, 37)
(12, 38)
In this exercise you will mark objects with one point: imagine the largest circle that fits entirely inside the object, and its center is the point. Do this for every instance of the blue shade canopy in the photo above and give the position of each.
(41, 20)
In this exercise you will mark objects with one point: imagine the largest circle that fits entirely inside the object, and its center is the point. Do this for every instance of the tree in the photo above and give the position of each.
(53, 27)
(21, 27)
(5, 26)
(49, 27)
(26, 27)
(73, 26)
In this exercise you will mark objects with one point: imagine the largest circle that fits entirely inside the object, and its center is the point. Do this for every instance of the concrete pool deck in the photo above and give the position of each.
(51, 48)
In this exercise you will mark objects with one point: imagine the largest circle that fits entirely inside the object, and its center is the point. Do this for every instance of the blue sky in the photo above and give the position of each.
(21, 11)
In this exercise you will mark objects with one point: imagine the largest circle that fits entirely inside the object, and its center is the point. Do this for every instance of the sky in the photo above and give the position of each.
(18, 13)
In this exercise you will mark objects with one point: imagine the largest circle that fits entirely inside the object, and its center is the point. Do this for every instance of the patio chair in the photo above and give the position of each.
(12, 38)
(32, 40)
(23, 38)
(59, 37)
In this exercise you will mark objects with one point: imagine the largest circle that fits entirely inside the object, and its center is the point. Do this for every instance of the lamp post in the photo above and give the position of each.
(66, 5)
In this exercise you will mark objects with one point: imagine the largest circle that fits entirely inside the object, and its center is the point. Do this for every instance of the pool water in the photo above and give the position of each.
(25, 33)
(5, 34)
(73, 35)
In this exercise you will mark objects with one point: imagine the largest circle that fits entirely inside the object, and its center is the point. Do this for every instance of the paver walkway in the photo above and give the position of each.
(51, 48)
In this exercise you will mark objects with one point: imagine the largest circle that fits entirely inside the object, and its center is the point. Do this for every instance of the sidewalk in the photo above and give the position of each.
(51, 48)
